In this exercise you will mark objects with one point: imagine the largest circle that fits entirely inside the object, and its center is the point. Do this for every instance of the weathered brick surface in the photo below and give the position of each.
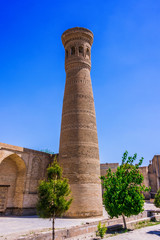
(79, 152)
(154, 174)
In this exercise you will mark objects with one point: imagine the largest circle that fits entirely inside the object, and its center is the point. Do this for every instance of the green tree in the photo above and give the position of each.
(53, 195)
(157, 199)
(123, 189)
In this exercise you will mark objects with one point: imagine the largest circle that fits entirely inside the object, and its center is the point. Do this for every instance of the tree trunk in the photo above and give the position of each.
(124, 221)
(53, 230)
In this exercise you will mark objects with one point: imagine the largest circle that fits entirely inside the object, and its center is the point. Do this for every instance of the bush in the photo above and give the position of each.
(157, 199)
(101, 230)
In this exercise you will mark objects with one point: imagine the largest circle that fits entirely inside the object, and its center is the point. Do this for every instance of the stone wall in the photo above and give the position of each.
(105, 166)
(150, 174)
(88, 230)
(144, 171)
(154, 174)
(21, 169)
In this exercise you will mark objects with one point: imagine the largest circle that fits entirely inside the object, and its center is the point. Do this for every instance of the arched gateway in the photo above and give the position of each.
(12, 182)
(21, 169)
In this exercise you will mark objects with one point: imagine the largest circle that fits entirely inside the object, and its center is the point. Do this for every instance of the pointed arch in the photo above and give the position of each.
(73, 50)
(13, 175)
(81, 51)
(87, 53)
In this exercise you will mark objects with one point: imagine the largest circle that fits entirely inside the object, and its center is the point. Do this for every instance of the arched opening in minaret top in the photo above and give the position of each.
(80, 51)
(66, 53)
(87, 54)
(73, 51)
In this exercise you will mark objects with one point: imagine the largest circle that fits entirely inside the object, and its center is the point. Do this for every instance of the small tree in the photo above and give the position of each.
(123, 189)
(53, 195)
(157, 199)
(101, 230)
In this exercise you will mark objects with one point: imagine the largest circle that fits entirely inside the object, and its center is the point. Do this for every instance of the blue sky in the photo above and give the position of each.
(125, 73)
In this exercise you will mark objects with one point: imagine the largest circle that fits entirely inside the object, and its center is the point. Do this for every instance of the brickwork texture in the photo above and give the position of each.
(79, 152)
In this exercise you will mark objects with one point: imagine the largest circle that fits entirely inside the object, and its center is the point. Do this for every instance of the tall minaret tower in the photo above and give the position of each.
(79, 152)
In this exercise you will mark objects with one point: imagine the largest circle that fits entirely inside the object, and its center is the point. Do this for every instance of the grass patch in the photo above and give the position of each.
(146, 223)
(119, 232)
(138, 225)
(115, 233)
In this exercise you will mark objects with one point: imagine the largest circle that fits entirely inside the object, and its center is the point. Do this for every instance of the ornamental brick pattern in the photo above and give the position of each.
(79, 152)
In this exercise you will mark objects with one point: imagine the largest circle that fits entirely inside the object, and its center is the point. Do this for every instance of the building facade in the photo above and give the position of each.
(20, 171)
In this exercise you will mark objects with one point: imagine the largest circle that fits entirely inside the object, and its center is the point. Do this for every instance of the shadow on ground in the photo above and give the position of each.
(154, 232)
(111, 233)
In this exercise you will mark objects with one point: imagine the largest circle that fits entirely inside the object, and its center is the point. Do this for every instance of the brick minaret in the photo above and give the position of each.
(79, 153)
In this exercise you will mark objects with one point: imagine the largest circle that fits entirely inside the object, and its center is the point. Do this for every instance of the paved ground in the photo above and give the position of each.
(147, 233)
(24, 224)
(13, 225)
(150, 206)
(10, 225)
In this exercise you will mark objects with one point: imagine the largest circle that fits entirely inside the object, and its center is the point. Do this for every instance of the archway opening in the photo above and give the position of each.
(12, 180)
(87, 54)
(80, 51)
(73, 50)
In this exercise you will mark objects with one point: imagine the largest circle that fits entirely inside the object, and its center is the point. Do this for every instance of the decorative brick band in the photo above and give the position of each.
(79, 126)
(75, 96)
(70, 82)
(70, 112)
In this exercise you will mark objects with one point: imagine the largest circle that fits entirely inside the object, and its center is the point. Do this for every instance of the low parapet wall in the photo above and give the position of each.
(87, 230)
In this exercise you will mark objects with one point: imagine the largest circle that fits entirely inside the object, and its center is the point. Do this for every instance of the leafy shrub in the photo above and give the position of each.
(157, 199)
(101, 230)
